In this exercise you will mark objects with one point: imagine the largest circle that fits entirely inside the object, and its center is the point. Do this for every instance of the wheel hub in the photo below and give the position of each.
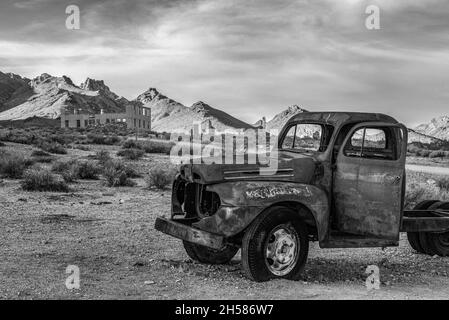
(282, 250)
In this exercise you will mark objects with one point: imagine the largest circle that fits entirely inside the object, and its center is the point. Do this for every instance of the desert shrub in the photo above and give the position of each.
(42, 179)
(131, 154)
(117, 174)
(40, 153)
(443, 183)
(88, 170)
(112, 140)
(102, 156)
(14, 165)
(131, 144)
(423, 186)
(437, 154)
(48, 159)
(53, 147)
(157, 147)
(81, 147)
(423, 153)
(159, 178)
(149, 146)
(122, 166)
(94, 138)
(69, 170)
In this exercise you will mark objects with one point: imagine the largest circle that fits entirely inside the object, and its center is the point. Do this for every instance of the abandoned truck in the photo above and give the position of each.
(340, 181)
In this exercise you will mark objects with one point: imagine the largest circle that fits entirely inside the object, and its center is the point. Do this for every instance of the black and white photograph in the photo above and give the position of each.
(234, 153)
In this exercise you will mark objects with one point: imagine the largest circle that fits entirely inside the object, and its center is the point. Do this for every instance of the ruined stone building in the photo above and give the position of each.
(135, 117)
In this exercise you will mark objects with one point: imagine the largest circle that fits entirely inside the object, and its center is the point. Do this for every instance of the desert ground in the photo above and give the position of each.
(108, 233)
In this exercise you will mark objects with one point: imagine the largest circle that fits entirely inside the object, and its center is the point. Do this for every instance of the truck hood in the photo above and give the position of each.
(300, 169)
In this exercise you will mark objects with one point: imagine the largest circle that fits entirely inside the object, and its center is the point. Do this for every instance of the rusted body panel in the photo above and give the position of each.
(185, 232)
(243, 201)
(368, 192)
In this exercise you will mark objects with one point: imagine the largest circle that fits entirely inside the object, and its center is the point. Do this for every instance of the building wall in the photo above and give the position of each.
(134, 117)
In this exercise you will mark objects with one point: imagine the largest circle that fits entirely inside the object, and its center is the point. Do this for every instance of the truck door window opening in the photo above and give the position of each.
(372, 143)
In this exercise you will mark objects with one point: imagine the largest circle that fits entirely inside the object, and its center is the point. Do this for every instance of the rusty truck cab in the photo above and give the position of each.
(362, 158)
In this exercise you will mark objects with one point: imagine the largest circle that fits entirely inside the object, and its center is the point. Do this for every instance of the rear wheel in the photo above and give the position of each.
(207, 255)
(439, 242)
(275, 245)
(425, 238)
(413, 237)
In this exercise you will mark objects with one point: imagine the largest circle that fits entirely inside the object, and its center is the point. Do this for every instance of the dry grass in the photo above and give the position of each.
(14, 165)
(149, 146)
(88, 170)
(160, 178)
(131, 154)
(423, 186)
(117, 174)
(69, 170)
(42, 179)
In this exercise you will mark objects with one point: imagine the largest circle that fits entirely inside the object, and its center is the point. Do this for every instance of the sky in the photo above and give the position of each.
(250, 58)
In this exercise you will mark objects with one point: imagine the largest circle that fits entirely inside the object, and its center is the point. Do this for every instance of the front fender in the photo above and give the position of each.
(243, 201)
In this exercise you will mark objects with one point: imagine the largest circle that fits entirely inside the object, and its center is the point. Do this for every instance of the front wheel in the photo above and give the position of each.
(276, 245)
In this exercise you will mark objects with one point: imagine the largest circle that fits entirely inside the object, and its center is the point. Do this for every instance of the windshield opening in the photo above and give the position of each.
(307, 137)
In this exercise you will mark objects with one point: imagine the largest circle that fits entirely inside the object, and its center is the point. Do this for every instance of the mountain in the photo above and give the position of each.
(281, 118)
(437, 127)
(414, 136)
(45, 96)
(13, 90)
(169, 115)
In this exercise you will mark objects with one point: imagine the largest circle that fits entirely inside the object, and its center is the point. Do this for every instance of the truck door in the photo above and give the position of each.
(368, 180)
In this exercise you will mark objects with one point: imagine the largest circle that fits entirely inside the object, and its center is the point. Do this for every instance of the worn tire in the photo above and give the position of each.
(439, 242)
(207, 255)
(276, 226)
(413, 237)
(425, 238)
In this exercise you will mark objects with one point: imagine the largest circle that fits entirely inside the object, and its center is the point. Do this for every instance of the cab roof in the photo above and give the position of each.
(339, 118)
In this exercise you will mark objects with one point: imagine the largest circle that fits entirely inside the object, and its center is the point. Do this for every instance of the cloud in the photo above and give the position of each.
(250, 58)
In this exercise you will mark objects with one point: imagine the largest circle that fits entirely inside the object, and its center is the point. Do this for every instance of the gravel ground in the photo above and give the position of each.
(108, 233)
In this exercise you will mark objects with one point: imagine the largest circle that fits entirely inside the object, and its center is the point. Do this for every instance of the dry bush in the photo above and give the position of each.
(117, 174)
(423, 186)
(157, 147)
(42, 179)
(14, 165)
(88, 170)
(93, 138)
(102, 156)
(42, 156)
(159, 178)
(69, 170)
(443, 184)
(149, 146)
(131, 154)
(53, 147)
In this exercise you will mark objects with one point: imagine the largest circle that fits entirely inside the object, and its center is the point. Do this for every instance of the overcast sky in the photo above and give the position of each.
(248, 58)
